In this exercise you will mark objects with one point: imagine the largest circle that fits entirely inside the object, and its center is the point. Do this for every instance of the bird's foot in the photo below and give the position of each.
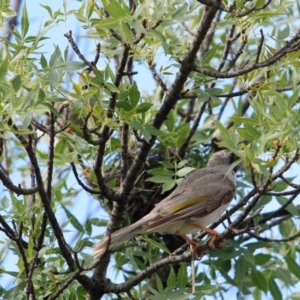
(212, 244)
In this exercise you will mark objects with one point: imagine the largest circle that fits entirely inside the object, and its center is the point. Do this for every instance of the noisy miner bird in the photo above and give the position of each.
(198, 201)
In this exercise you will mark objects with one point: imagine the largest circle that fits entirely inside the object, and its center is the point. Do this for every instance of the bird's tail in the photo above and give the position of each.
(117, 238)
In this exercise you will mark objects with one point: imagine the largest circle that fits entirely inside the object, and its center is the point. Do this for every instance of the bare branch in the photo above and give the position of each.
(16, 189)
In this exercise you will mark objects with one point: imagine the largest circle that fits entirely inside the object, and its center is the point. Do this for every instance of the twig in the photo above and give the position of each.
(261, 43)
(68, 35)
(86, 188)
(65, 285)
(290, 46)
(182, 149)
(291, 238)
(157, 78)
(16, 189)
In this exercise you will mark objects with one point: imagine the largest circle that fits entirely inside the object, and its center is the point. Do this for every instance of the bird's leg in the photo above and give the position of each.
(214, 234)
(193, 244)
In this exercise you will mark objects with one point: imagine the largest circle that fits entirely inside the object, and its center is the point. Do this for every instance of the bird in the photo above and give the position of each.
(200, 199)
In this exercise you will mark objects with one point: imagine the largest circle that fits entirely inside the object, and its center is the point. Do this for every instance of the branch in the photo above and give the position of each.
(86, 188)
(157, 78)
(289, 47)
(68, 35)
(291, 238)
(105, 133)
(182, 149)
(16, 189)
(65, 285)
(171, 97)
(118, 288)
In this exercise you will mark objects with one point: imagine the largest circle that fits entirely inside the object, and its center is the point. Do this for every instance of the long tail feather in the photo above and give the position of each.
(117, 238)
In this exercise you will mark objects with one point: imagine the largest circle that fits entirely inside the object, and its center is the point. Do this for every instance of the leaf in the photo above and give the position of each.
(283, 34)
(259, 280)
(184, 171)
(210, 54)
(16, 83)
(152, 130)
(24, 21)
(143, 107)
(293, 266)
(110, 23)
(167, 186)
(3, 67)
(160, 179)
(134, 95)
(182, 277)
(155, 244)
(171, 281)
(48, 8)
(73, 220)
(111, 87)
(160, 171)
(125, 105)
(70, 66)
(159, 284)
(115, 9)
(44, 63)
(126, 32)
(55, 58)
(274, 290)
(136, 125)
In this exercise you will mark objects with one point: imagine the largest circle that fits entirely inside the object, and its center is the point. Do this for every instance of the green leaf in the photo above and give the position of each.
(136, 125)
(160, 179)
(274, 290)
(283, 34)
(3, 67)
(184, 171)
(152, 130)
(55, 58)
(48, 8)
(111, 87)
(24, 21)
(125, 105)
(259, 280)
(213, 91)
(110, 23)
(262, 259)
(143, 107)
(171, 281)
(32, 97)
(293, 266)
(70, 66)
(167, 186)
(16, 83)
(44, 63)
(126, 32)
(159, 284)
(155, 244)
(73, 220)
(182, 276)
(160, 171)
(115, 9)
(210, 54)
(147, 136)
(134, 95)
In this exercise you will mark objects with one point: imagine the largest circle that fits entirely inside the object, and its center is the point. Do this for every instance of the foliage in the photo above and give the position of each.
(229, 79)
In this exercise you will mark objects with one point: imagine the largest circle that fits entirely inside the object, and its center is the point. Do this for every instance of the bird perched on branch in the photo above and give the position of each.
(198, 201)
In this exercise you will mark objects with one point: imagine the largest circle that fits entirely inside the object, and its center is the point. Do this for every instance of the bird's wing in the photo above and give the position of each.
(201, 196)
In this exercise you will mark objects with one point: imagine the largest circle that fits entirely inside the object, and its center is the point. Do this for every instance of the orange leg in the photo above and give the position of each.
(192, 243)
(213, 233)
